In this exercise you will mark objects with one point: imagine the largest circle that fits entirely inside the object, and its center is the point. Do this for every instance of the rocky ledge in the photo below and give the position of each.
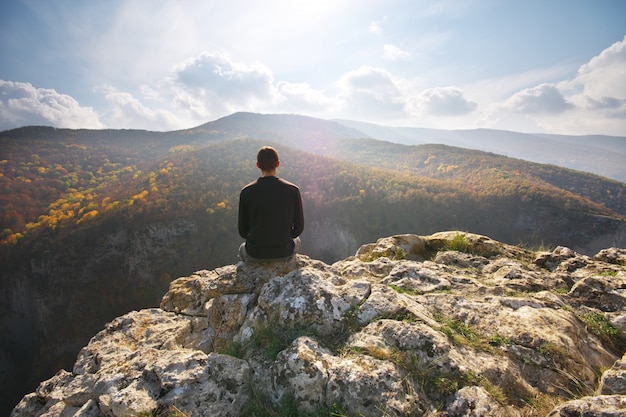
(451, 324)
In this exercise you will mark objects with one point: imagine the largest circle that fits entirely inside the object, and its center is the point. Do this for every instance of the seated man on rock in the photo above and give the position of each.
(271, 218)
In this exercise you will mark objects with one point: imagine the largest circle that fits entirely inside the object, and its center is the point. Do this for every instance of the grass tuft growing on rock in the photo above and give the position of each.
(458, 243)
(234, 349)
(171, 411)
(271, 340)
(397, 254)
(601, 326)
(402, 290)
(540, 405)
(260, 405)
(498, 340)
(460, 333)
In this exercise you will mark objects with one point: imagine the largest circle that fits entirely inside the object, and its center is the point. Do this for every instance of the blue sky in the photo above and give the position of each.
(556, 66)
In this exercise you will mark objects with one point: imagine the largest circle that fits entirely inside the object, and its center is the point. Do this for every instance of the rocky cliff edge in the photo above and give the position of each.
(451, 324)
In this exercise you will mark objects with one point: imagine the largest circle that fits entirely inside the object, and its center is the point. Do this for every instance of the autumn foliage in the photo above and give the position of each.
(55, 181)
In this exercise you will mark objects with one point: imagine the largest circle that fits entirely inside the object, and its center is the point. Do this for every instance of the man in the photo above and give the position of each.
(270, 214)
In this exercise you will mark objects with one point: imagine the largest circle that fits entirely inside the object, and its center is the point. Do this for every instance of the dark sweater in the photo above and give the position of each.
(270, 217)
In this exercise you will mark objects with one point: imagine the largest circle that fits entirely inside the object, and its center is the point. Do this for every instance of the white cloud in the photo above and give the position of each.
(212, 83)
(369, 93)
(23, 104)
(600, 87)
(129, 113)
(149, 93)
(442, 101)
(303, 96)
(605, 75)
(591, 102)
(217, 71)
(393, 53)
(545, 98)
(376, 26)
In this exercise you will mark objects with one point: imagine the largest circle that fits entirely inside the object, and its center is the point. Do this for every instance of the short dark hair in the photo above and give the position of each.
(267, 158)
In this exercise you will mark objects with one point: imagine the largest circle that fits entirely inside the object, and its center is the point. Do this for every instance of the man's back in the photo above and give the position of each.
(270, 217)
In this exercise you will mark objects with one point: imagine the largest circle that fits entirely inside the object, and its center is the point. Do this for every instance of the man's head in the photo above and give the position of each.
(267, 159)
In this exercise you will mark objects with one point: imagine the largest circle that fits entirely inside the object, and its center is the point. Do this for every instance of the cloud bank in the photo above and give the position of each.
(544, 98)
(22, 104)
(444, 101)
(213, 84)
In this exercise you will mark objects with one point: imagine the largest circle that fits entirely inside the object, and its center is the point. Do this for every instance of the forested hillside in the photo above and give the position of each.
(58, 177)
(96, 223)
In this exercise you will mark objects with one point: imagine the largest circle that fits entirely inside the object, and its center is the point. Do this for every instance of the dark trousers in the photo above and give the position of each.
(243, 255)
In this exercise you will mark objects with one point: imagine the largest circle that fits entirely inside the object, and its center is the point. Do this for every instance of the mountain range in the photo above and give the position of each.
(94, 223)
(601, 155)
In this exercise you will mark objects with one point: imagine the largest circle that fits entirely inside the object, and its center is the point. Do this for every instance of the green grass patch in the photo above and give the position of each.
(171, 411)
(553, 350)
(541, 247)
(396, 254)
(260, 405)
(601, 326)
(460, 333)
(453, 328)
(434, 375)
(425, 371)
(498, 340)
(272, 340)
(234, 349)
(401, 290)
(458, 243)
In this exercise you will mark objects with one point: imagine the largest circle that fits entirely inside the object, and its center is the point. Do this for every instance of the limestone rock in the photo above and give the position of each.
(602, 405)
(614, 380)
(451, 324)
(612, 255)
(473, 402)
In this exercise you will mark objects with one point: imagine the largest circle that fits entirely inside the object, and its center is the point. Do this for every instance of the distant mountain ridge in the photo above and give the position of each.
(598, 154)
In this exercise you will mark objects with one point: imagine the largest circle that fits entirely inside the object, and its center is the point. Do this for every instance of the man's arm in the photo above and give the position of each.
(298, 216)
(244, 227)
